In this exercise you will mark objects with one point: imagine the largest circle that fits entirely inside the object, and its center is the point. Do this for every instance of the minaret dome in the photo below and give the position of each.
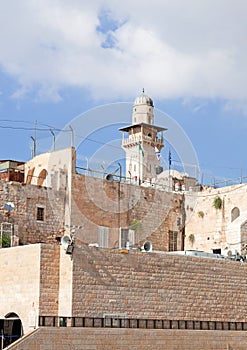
(143, 110)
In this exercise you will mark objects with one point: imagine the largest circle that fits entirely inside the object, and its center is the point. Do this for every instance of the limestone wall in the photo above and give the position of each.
(213, 228)
(26, 199)
(139, 339)
(20, 283)
(157, 286)
(60, 161)
(49, 279)
(96, 202)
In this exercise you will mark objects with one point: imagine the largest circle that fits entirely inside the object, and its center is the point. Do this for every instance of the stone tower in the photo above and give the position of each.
(143, 143)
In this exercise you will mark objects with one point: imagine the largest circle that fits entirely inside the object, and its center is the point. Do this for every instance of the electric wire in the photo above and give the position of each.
(86, 138)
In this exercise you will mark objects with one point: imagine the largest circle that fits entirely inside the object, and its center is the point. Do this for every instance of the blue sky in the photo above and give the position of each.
(59, 59)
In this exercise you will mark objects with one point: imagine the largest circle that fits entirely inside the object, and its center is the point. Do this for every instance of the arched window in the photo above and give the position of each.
(29, 176)
(42, 177)
(235, 213)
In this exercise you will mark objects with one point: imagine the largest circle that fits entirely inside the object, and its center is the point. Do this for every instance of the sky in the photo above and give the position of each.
(61, 59)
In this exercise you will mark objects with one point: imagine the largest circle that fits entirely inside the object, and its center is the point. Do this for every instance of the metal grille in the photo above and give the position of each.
(6, 235)
(103, 233)
(173, 241)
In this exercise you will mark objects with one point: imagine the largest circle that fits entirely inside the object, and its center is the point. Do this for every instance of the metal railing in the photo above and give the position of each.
(124, 322)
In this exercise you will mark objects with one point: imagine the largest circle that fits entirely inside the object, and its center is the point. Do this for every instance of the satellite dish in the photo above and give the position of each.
(9, 206)
(65, 241)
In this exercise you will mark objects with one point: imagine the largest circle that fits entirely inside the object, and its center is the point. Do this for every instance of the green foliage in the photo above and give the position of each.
(136, 225)
(217, 203)
(192, 238)
(201, 214)
(5, 241)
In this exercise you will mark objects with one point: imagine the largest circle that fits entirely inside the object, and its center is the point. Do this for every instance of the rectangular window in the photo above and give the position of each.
(127, 238)
(217, 251)
(173, 241)
(6, 235)
(124, 237)
(40, 214)
(103, 233)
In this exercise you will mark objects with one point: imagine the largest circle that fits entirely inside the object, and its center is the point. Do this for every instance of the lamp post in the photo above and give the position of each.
(119, 203)
(54, 139)
(72, 136)
(110, 178)
(34, 146)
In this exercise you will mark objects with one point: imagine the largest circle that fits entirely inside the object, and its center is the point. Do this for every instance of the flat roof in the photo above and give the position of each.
(150, 126)
(11, 160)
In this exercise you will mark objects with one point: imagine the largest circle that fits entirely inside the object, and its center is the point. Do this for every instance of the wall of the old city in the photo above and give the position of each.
(157, 286)
(139, 339)
(136, 284)
(49, 279)
(214, 228)
(96, 202)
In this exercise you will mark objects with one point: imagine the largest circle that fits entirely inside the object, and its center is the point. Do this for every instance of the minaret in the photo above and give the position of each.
(144, 139)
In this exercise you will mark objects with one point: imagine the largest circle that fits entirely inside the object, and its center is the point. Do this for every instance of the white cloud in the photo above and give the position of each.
(173, 48)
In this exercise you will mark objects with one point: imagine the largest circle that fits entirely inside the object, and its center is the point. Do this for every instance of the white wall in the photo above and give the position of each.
(61, 161)
(20, 283)
(60, 165)
(215, 229)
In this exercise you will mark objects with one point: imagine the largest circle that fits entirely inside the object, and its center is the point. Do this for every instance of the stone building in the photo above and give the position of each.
(11, 170)
(92, 266)
(107, 298)
(218, 220)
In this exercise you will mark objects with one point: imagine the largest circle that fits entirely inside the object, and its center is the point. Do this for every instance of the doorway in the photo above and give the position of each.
(10, 329)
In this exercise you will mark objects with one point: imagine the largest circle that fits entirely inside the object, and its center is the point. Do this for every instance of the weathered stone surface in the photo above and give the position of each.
(95, 202)
(139, 339)
(26, 199)
(157, 286)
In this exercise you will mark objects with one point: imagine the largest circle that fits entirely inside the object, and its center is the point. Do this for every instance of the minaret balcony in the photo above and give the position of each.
(136, 139)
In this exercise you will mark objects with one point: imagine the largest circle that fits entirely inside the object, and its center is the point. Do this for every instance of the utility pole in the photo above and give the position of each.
(34, 145)
(119, 203)
(72, 136)
(169, 169)
(34, 140)
(54, 139)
